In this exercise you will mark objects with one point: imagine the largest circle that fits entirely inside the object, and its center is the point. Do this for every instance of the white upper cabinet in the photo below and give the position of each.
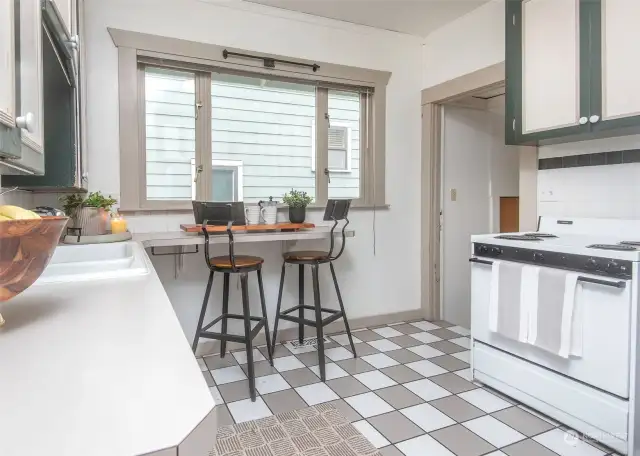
(30, 111)
(7, 64)
(620, 27)
(550, 64)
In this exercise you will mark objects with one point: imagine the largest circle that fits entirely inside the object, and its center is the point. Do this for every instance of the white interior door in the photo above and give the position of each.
(620, 58)
(466, 139)
(550, 64)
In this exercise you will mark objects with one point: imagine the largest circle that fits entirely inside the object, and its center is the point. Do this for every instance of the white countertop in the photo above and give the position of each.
(171, 238)
(96, 368)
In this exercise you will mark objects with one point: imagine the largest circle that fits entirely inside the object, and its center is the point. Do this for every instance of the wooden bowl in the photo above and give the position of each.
(26, 246)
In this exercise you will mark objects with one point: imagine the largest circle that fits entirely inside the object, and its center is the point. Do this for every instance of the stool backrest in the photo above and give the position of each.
(221, 214)
(337, 210)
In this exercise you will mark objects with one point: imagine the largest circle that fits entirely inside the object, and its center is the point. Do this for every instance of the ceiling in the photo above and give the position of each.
(414, 17)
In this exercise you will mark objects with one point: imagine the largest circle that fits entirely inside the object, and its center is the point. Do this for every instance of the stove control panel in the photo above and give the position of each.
(580, 263)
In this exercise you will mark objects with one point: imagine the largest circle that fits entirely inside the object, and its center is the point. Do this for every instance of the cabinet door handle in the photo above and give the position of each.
(27, 122)
(583, 120)
(594, 118)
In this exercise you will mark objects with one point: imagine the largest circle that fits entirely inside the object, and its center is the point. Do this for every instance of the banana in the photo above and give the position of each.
(16, 213)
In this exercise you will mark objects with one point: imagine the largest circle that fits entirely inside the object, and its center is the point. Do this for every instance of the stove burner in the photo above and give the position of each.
(635, 243)
(541, 235)
(622, 248)
(518, 237)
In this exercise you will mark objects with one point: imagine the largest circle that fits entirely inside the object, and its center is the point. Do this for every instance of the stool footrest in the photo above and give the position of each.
(232, 316)
(325, 321)
(231, 337)
(293, 309)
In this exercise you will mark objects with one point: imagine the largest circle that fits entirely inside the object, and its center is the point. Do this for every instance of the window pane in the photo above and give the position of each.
(170, 133)
(223, 185)
(266, 125)
(337, 159)
(344, 144)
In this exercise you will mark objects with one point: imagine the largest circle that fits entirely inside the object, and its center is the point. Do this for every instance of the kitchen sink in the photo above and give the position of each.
(72, 263)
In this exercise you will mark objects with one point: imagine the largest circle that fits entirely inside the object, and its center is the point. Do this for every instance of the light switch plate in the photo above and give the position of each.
(454, 194)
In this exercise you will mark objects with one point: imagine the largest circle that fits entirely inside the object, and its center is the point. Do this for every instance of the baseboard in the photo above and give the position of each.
(210, 347)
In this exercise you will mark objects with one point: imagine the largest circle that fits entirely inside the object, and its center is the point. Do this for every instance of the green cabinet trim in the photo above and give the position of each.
(513, 79)
(590, 72)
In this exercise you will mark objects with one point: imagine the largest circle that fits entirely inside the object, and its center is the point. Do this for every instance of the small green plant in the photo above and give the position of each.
(297, 198)
(96, 199)
(72, 202)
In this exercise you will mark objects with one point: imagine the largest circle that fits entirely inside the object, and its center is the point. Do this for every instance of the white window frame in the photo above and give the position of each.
(237, 164)
(349, 153)
(135, 50)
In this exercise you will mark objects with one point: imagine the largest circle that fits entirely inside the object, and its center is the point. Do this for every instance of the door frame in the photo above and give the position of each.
(431, 179)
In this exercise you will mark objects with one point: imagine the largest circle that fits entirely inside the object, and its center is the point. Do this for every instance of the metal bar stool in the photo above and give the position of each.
(336, 210)
(233, 264)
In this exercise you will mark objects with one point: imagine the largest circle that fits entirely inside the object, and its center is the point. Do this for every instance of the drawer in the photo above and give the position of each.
(595, 413)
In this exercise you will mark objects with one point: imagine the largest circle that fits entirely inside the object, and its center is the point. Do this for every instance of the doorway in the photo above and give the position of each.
(480, 179)
(472, 88)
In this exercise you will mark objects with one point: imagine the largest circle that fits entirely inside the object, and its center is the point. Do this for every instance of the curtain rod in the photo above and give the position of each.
(269, 62)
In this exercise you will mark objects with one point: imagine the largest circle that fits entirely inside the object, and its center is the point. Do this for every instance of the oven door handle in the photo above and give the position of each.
(619, 284)
(478, 260)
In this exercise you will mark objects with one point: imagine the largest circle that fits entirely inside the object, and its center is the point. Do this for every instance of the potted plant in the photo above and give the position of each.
(297, 202)
(90, 214)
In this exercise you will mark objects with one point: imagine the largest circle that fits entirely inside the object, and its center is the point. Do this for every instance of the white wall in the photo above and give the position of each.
(371, 284)
(471, 42)
(481, 169)
(16, 198)
(609, 191)
(504, 163)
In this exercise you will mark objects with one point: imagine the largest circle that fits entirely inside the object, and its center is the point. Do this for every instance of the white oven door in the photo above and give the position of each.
(605, 327)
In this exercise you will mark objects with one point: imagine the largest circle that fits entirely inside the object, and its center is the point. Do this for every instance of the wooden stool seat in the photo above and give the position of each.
(242, 261)
(306, 255)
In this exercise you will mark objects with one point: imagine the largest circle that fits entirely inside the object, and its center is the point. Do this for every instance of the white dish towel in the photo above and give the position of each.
(507, 315)
(554, 320)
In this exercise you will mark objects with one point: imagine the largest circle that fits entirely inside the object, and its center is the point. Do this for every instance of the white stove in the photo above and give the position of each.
(595, 392)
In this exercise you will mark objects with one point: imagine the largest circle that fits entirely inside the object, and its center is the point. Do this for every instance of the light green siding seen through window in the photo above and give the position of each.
(266, 125)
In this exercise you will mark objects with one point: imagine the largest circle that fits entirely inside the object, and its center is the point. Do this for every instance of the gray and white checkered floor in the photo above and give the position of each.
(409, 392)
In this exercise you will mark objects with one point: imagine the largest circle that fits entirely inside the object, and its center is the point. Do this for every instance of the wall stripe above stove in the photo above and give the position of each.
(596, 159)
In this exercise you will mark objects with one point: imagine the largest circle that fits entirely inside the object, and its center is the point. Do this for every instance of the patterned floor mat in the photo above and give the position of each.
(315, 431)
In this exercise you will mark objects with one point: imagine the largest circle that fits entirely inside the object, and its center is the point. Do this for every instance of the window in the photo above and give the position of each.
(226, 180)
(339, 148)
(266, 125)
(170, 133)
(339, 145)
(211, 129)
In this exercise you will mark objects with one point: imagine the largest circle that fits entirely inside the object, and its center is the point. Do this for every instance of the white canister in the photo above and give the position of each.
(270, 215)
(253, 214)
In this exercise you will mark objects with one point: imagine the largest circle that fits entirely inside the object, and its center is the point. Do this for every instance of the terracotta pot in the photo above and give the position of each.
(297, 214)
(26, 247)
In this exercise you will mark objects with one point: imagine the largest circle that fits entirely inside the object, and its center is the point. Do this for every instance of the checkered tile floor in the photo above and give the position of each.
(409, 392)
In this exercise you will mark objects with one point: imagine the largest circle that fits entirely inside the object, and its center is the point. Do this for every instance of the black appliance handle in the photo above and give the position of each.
(619, 284)
(478, 260)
